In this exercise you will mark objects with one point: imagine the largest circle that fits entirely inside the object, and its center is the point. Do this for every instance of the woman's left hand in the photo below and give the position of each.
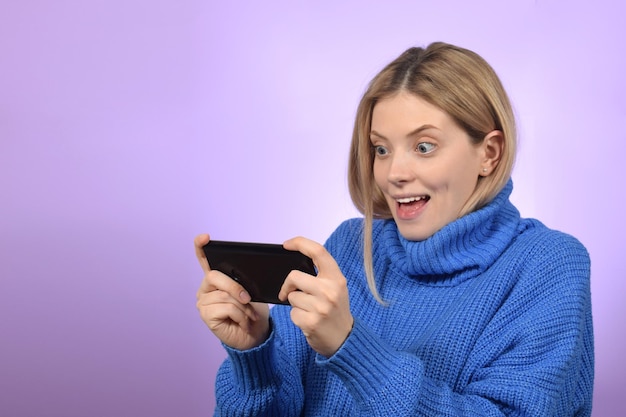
(320, 305)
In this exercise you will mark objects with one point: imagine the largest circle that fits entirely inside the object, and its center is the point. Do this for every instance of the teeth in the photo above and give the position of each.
(409, 199)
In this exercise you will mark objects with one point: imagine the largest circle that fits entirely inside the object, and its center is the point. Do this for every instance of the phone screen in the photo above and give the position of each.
(261, 268)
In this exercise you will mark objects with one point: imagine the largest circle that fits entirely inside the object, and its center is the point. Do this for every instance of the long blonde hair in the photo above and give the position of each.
(459, 82)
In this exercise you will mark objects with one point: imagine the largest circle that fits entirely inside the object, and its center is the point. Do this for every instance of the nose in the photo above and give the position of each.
(401, 169)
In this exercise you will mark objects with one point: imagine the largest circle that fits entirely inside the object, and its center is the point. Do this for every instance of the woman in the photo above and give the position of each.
(441, 300)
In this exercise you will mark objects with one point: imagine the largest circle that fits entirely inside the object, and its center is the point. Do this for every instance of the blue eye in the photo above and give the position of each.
(380, 150)
(425, 147)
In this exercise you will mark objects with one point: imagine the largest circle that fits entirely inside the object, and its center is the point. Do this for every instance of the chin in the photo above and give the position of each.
(414, 235)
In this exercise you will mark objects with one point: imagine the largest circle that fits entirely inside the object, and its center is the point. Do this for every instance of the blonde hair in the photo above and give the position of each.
(459, 82)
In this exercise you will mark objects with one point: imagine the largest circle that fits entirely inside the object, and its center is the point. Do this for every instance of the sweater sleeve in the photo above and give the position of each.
(266, 380)
(535, 357)
(540, 343)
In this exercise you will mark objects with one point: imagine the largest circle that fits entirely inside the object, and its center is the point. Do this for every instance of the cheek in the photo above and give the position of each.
(437, 177)
(452, 184)
(462, 183)
(379, 174)
(457, 173)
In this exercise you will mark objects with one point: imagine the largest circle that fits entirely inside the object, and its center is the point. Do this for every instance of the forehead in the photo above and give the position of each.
(403, 111)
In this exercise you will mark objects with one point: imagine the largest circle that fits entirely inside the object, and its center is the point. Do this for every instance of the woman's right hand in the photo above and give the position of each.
(226, 309)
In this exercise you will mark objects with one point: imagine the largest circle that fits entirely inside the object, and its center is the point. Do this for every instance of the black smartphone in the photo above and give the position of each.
(261, 268)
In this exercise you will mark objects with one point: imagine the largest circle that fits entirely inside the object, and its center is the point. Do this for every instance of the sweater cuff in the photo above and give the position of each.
(254, 368)
(365, 363)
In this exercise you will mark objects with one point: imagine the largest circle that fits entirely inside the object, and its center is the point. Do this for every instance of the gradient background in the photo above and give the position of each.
(128, 127)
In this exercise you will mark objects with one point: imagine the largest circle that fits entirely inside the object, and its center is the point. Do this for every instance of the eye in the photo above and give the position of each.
(380, 150)
(425, 147)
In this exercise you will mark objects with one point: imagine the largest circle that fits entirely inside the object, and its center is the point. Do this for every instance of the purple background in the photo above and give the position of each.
(127, 127)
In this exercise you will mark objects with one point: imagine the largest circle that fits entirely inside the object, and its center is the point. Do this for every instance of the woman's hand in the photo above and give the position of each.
(226, 309)
(320, 305)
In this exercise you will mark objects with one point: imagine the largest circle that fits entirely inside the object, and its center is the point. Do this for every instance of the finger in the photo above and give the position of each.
(318, 253)
(302, 300)
(199, 242)
(218, 297)
(223, 313)
(312, 293)
(298, 281)
(216, 280)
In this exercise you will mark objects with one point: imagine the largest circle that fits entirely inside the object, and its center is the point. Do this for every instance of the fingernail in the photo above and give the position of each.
(244, 296)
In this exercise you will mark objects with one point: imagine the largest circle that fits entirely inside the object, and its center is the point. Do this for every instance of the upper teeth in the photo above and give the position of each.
(409, 199)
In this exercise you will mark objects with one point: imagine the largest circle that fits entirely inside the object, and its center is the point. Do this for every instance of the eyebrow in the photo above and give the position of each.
(412, 133)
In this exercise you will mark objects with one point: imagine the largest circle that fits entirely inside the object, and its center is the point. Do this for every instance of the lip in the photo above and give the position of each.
(405, 211)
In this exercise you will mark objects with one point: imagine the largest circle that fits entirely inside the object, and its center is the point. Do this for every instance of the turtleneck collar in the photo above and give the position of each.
(462, 249)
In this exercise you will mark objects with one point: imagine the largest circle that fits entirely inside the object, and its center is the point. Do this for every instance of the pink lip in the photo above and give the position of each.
(410, 211)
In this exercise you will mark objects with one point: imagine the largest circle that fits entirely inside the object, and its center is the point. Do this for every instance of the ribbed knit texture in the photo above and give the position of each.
(491, 316)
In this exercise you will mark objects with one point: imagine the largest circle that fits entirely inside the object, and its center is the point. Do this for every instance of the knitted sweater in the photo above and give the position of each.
(490, 316)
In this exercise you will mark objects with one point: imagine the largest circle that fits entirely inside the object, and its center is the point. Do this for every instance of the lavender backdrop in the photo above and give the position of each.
(127, 127)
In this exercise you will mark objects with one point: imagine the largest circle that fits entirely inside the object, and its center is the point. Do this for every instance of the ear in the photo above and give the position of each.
(492, 148)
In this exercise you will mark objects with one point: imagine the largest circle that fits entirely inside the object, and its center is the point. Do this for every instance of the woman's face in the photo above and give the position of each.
(424, 163)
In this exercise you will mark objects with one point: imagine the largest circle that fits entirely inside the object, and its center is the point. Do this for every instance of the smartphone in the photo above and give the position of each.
(261, 268)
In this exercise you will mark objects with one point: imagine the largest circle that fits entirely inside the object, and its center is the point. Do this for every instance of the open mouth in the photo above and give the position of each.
(411, 200)
(409, 207)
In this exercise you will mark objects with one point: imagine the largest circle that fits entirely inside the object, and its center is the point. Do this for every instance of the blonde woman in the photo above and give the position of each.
(441, 300)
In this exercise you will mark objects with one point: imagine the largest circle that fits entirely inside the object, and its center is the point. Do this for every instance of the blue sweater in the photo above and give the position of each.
(491, 316)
